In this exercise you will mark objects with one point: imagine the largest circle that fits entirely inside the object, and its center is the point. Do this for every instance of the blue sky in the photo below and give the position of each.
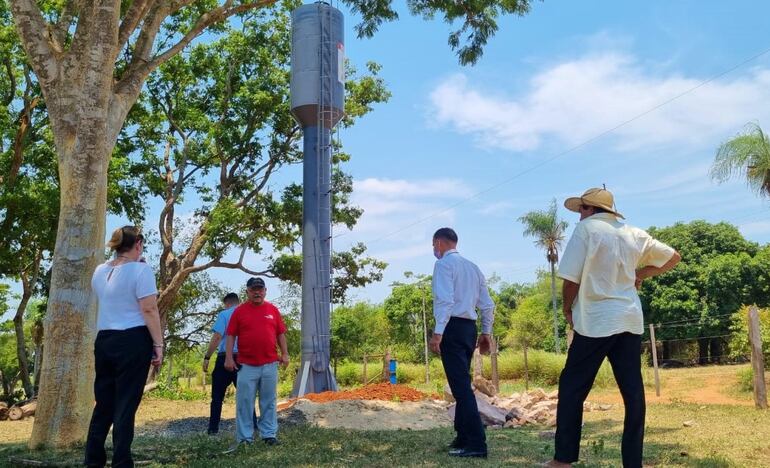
(549, 82)
(476, 147)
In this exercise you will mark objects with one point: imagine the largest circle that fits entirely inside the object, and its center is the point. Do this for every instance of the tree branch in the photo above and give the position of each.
(134, 15)
(142, 66)
(32, 29)
(60, 30)
(12, 78)
(232, 266)
(270, 167)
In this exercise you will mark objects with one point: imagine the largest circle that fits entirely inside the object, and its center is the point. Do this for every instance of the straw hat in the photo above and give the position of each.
(598, 197)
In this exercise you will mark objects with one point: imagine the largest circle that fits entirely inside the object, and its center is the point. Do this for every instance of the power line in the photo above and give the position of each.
(693, 338)
(658, 324)
(573, 148)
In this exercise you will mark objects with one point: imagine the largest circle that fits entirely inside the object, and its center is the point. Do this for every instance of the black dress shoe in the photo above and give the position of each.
(271, 441)
(456, 444)
(468, 453)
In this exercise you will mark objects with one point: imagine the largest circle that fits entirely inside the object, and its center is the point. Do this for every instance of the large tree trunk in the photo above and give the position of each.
(86, 117)
(84, 139)
(65, 395)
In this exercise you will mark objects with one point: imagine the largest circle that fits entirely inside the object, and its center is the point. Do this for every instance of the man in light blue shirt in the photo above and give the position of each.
(459, 288)
(221, 378)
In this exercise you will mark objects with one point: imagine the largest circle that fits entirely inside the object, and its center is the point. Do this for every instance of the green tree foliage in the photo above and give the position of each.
(215, 126)
(191, 316)
(533, 302)
(404, 310)
(720, 271)
(359, 329)
(529, 324)
(740, 348)
(746, 155)
(477, 20)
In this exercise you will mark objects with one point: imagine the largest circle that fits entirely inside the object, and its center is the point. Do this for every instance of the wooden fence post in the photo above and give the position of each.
(654, 347)
(477, 363)
(386, 367)
(493, 357)
(526, 369)
(757, 359)
(365, 379)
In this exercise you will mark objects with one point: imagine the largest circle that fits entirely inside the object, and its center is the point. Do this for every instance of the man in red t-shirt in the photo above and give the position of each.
(259, 328)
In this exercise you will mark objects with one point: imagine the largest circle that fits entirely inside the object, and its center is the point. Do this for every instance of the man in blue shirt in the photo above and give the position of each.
(221, 378)
(459, 289)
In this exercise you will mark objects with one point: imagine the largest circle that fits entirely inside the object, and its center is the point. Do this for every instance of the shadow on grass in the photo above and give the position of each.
(309, 446)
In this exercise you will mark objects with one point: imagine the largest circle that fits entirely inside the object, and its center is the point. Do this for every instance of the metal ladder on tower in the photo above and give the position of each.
(325, 120)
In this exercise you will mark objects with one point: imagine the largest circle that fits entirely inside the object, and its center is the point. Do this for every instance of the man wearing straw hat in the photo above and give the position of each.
(603, 265)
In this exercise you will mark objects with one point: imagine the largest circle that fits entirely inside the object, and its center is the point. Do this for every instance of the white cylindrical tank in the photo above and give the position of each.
(317, 65)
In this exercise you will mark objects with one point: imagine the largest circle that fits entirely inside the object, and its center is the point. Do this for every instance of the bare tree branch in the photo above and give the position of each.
(233, 266)
(270, 167)
(135, 14)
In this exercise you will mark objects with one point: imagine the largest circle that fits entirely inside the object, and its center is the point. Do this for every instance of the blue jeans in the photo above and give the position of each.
(253, 379)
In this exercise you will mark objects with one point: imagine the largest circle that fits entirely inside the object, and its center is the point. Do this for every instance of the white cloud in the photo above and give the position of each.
(576, 100)
(390, 203)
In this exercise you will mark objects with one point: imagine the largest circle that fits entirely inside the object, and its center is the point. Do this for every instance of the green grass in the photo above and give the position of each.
(723, 436)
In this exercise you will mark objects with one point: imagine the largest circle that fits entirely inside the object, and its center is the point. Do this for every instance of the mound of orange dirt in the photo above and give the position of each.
(381, 391)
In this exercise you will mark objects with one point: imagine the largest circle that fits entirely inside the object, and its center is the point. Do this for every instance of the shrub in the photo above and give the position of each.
(746, 379)
(177, 392)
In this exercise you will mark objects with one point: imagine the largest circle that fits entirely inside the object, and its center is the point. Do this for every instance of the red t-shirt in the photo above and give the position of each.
(257, 328)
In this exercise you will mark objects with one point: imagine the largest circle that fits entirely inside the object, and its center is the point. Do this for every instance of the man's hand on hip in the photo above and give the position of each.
(435, 343)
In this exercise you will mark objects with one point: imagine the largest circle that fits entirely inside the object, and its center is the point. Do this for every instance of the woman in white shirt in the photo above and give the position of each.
(129, 340)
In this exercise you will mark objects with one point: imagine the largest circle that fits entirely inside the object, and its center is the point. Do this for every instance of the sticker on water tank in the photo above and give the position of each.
(340, 62)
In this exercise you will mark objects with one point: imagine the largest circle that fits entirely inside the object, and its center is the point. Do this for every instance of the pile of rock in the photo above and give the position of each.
(532, 407)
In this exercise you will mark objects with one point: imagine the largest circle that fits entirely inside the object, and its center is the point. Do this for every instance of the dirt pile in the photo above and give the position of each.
(381, 391)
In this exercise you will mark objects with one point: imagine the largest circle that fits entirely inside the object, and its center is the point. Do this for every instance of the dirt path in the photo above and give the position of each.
(712, 385)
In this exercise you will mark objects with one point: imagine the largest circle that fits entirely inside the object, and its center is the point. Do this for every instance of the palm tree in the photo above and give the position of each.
(548, 231)
(746, 154)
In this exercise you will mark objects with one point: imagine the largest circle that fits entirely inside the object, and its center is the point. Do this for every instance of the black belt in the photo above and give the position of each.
(453, 317)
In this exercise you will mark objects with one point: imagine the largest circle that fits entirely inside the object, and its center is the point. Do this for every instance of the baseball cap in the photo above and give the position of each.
(255, 283)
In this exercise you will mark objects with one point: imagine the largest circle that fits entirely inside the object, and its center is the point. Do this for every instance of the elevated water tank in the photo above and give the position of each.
(317, 65)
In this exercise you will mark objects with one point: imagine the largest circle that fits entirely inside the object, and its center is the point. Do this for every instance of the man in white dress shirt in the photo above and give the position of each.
(603, 265)
(459, 288)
